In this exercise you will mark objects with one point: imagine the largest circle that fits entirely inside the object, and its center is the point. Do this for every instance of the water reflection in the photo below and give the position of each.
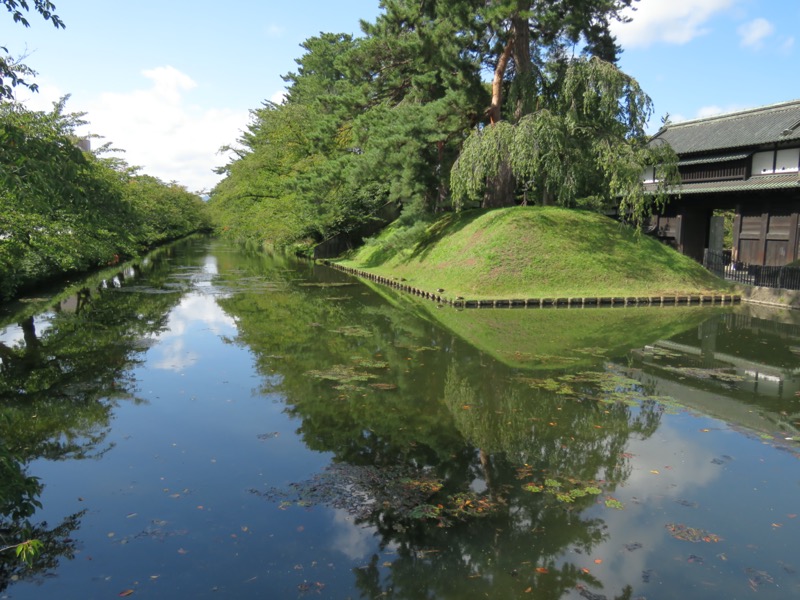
(459, 463)
(63, 374)
(425, 452)
(740, 367)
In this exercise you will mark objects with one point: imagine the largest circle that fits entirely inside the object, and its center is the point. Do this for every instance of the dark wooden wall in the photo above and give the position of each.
(767, 236)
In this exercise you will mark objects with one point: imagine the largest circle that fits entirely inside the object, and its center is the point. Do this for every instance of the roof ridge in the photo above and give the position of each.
(736, 114)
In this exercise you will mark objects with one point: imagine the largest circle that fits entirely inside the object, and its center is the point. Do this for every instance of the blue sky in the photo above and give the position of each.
(171, 82)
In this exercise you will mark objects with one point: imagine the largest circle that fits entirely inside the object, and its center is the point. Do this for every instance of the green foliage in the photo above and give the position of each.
(588, 141)
(28, 550)
(12, 71)
(399, 115)
(364, 122)
(64, 210)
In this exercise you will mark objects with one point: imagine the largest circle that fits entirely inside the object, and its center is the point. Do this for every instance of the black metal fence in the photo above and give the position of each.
(774, 277)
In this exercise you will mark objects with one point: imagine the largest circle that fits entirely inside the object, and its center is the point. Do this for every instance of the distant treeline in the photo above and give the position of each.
(64, 209)
(440, 105)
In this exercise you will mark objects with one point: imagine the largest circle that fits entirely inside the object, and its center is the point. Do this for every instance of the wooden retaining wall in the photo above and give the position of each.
(581, 302)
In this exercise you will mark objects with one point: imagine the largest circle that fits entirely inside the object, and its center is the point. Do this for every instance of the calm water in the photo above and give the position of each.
(209, 423)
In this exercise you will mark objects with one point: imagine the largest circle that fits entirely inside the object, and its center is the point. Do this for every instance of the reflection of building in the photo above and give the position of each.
(736, 367)
(746, 161)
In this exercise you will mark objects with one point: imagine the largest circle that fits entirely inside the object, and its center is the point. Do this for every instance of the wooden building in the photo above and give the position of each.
(748, 162)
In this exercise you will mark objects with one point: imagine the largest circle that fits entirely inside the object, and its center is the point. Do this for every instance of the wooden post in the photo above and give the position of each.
(791, 252)
(737, 229)
(762, 241)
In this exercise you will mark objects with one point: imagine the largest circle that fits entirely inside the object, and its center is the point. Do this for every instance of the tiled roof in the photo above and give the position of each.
(759, 182)
(704, 160)
(747, 128)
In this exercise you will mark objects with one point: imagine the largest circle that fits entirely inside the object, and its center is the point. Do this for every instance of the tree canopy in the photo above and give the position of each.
(63, 209)
(13, 72)
(439, 105)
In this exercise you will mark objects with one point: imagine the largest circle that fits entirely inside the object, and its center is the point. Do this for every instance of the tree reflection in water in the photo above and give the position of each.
(62, 374)
(439, 456)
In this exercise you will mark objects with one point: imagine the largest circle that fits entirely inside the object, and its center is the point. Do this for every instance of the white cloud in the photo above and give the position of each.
(754, 32)
(157, 126)
(278, 97)
(709, 111)
(787, 45)
(673, 22)
(196, 311)
(162, 132)
(714, 110)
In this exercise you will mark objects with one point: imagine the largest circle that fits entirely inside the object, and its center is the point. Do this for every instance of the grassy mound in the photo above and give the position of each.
(533, 252)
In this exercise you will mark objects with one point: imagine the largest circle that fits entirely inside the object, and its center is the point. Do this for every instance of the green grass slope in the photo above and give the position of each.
(534, 252)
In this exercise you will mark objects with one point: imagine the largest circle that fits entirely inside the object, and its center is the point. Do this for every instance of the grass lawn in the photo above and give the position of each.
(533, 252)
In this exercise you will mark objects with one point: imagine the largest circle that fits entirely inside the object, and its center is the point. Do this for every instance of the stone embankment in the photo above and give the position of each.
(575, 302)
(769, 296)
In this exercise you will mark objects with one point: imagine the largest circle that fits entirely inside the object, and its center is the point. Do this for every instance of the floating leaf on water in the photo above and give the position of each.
(690, 534)
(125, 593)
(369, 363)
(353, 331)
(693, 558)
(757, 578)
(383, 386)
(614, 503)
(532, 487)
(342, 374)
(425, 485)
(633, 546)
(349, 388)
(592, 351)
(414, 348)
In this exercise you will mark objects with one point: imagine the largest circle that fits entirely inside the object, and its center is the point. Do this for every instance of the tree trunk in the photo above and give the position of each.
(500, 189)
(521, 38)
(496, 108)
